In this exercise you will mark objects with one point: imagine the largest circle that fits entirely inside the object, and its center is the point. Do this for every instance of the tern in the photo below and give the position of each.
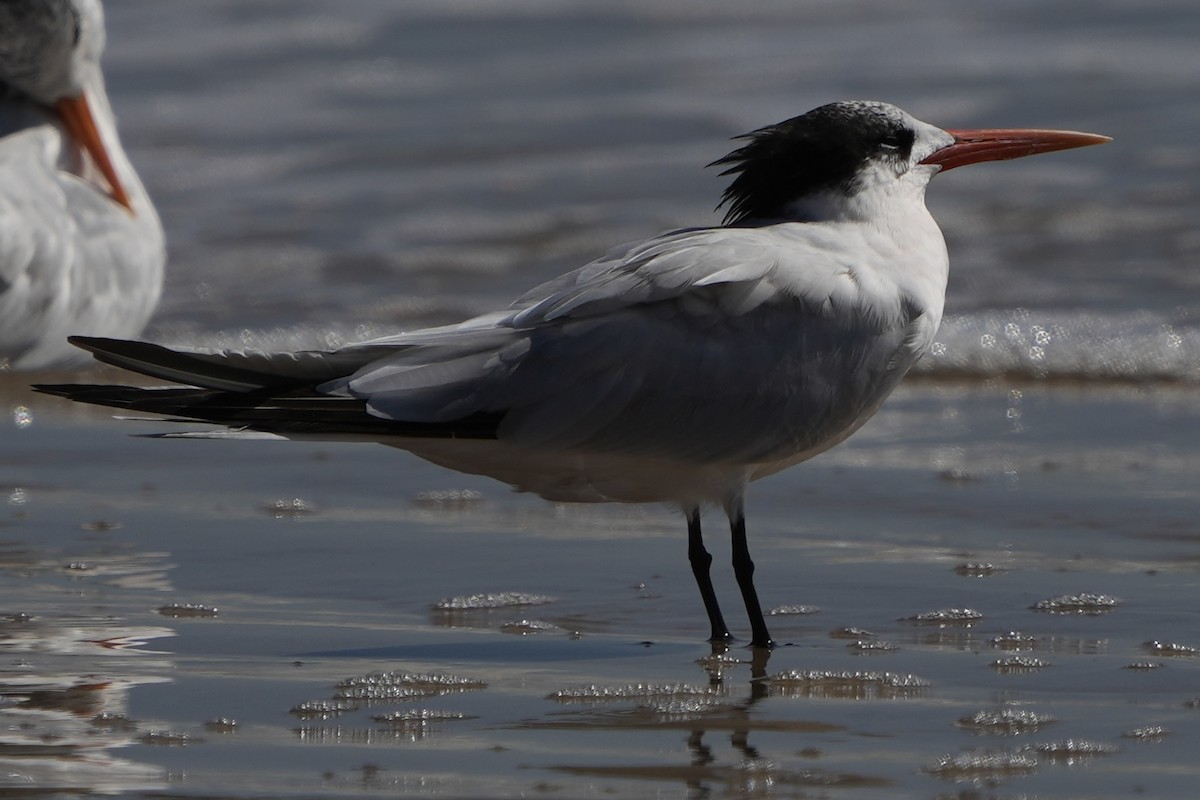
(81, 247)
(673, 370)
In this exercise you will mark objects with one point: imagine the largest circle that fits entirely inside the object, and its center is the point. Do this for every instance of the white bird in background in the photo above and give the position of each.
(81, 247)
(677, 370)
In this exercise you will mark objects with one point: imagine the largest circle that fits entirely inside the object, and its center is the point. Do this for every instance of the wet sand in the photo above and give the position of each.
(183, 618)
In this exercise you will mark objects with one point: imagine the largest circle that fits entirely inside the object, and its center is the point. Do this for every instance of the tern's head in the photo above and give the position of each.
(847, 158)
(50, 54)
(47, 47)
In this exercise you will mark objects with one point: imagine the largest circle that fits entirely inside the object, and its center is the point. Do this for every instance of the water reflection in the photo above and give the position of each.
(64, 701)
(70, 654)
(720, 721)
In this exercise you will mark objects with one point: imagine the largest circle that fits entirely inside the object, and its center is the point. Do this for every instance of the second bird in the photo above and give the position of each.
(81, 247)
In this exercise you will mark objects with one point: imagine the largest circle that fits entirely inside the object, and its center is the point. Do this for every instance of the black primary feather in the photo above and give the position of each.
(248, 391)
(297, 413)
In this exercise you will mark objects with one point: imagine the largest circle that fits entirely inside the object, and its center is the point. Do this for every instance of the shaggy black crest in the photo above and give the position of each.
(819, 151)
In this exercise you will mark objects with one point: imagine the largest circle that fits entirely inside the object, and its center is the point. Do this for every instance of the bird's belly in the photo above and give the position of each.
(576, 476)
(692, 448)
(768, 444)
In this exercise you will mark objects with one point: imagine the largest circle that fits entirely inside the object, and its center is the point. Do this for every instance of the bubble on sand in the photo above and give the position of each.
(1015, 665)
(982, 766)
(1169, 649)
(976, 569)
(416, 724)
(188, 611)
(1005, 721)
(846, 684)
(683, 708)
(525, 627)
(717, 664)
(1148, 733)
(168, 738)
(797, 610)
(946, 616)
(1072, 751)
(660, 692)
(377, 686)
(319, 709)
(850, 633)
(419, 714)
(492, 600)
(868, 646)
(1084, 603)
(1013, 640)
(719, 660)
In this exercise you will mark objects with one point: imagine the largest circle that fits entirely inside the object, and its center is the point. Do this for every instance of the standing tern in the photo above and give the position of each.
(81, 247)
(677, 369)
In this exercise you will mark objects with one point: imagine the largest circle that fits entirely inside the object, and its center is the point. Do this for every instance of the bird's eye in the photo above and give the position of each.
(897, 142)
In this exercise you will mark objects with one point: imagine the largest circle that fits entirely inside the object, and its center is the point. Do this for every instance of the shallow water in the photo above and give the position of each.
(329, 175)
(209, 581)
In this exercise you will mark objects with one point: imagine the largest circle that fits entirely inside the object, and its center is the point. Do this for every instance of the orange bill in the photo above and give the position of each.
(77, 116)
(1000, 144)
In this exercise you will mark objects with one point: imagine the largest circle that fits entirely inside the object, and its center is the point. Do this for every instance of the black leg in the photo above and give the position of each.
(701, 561)
(743, 570)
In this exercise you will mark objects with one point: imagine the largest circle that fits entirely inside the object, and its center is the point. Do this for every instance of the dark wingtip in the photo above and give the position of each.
(93, 344)
(55, 389)
(81, 392)
(124, 397)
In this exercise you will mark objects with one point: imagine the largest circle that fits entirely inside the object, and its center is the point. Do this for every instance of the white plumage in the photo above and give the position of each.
(81, 247)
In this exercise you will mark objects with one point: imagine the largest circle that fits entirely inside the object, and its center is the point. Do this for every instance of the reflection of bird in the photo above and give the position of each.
(677, 369)
(81, 248)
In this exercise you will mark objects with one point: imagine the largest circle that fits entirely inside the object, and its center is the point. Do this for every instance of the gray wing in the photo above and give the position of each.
(686, 345)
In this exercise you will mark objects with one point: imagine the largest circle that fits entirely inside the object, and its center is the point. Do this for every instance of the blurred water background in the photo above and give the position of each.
(328, 172)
